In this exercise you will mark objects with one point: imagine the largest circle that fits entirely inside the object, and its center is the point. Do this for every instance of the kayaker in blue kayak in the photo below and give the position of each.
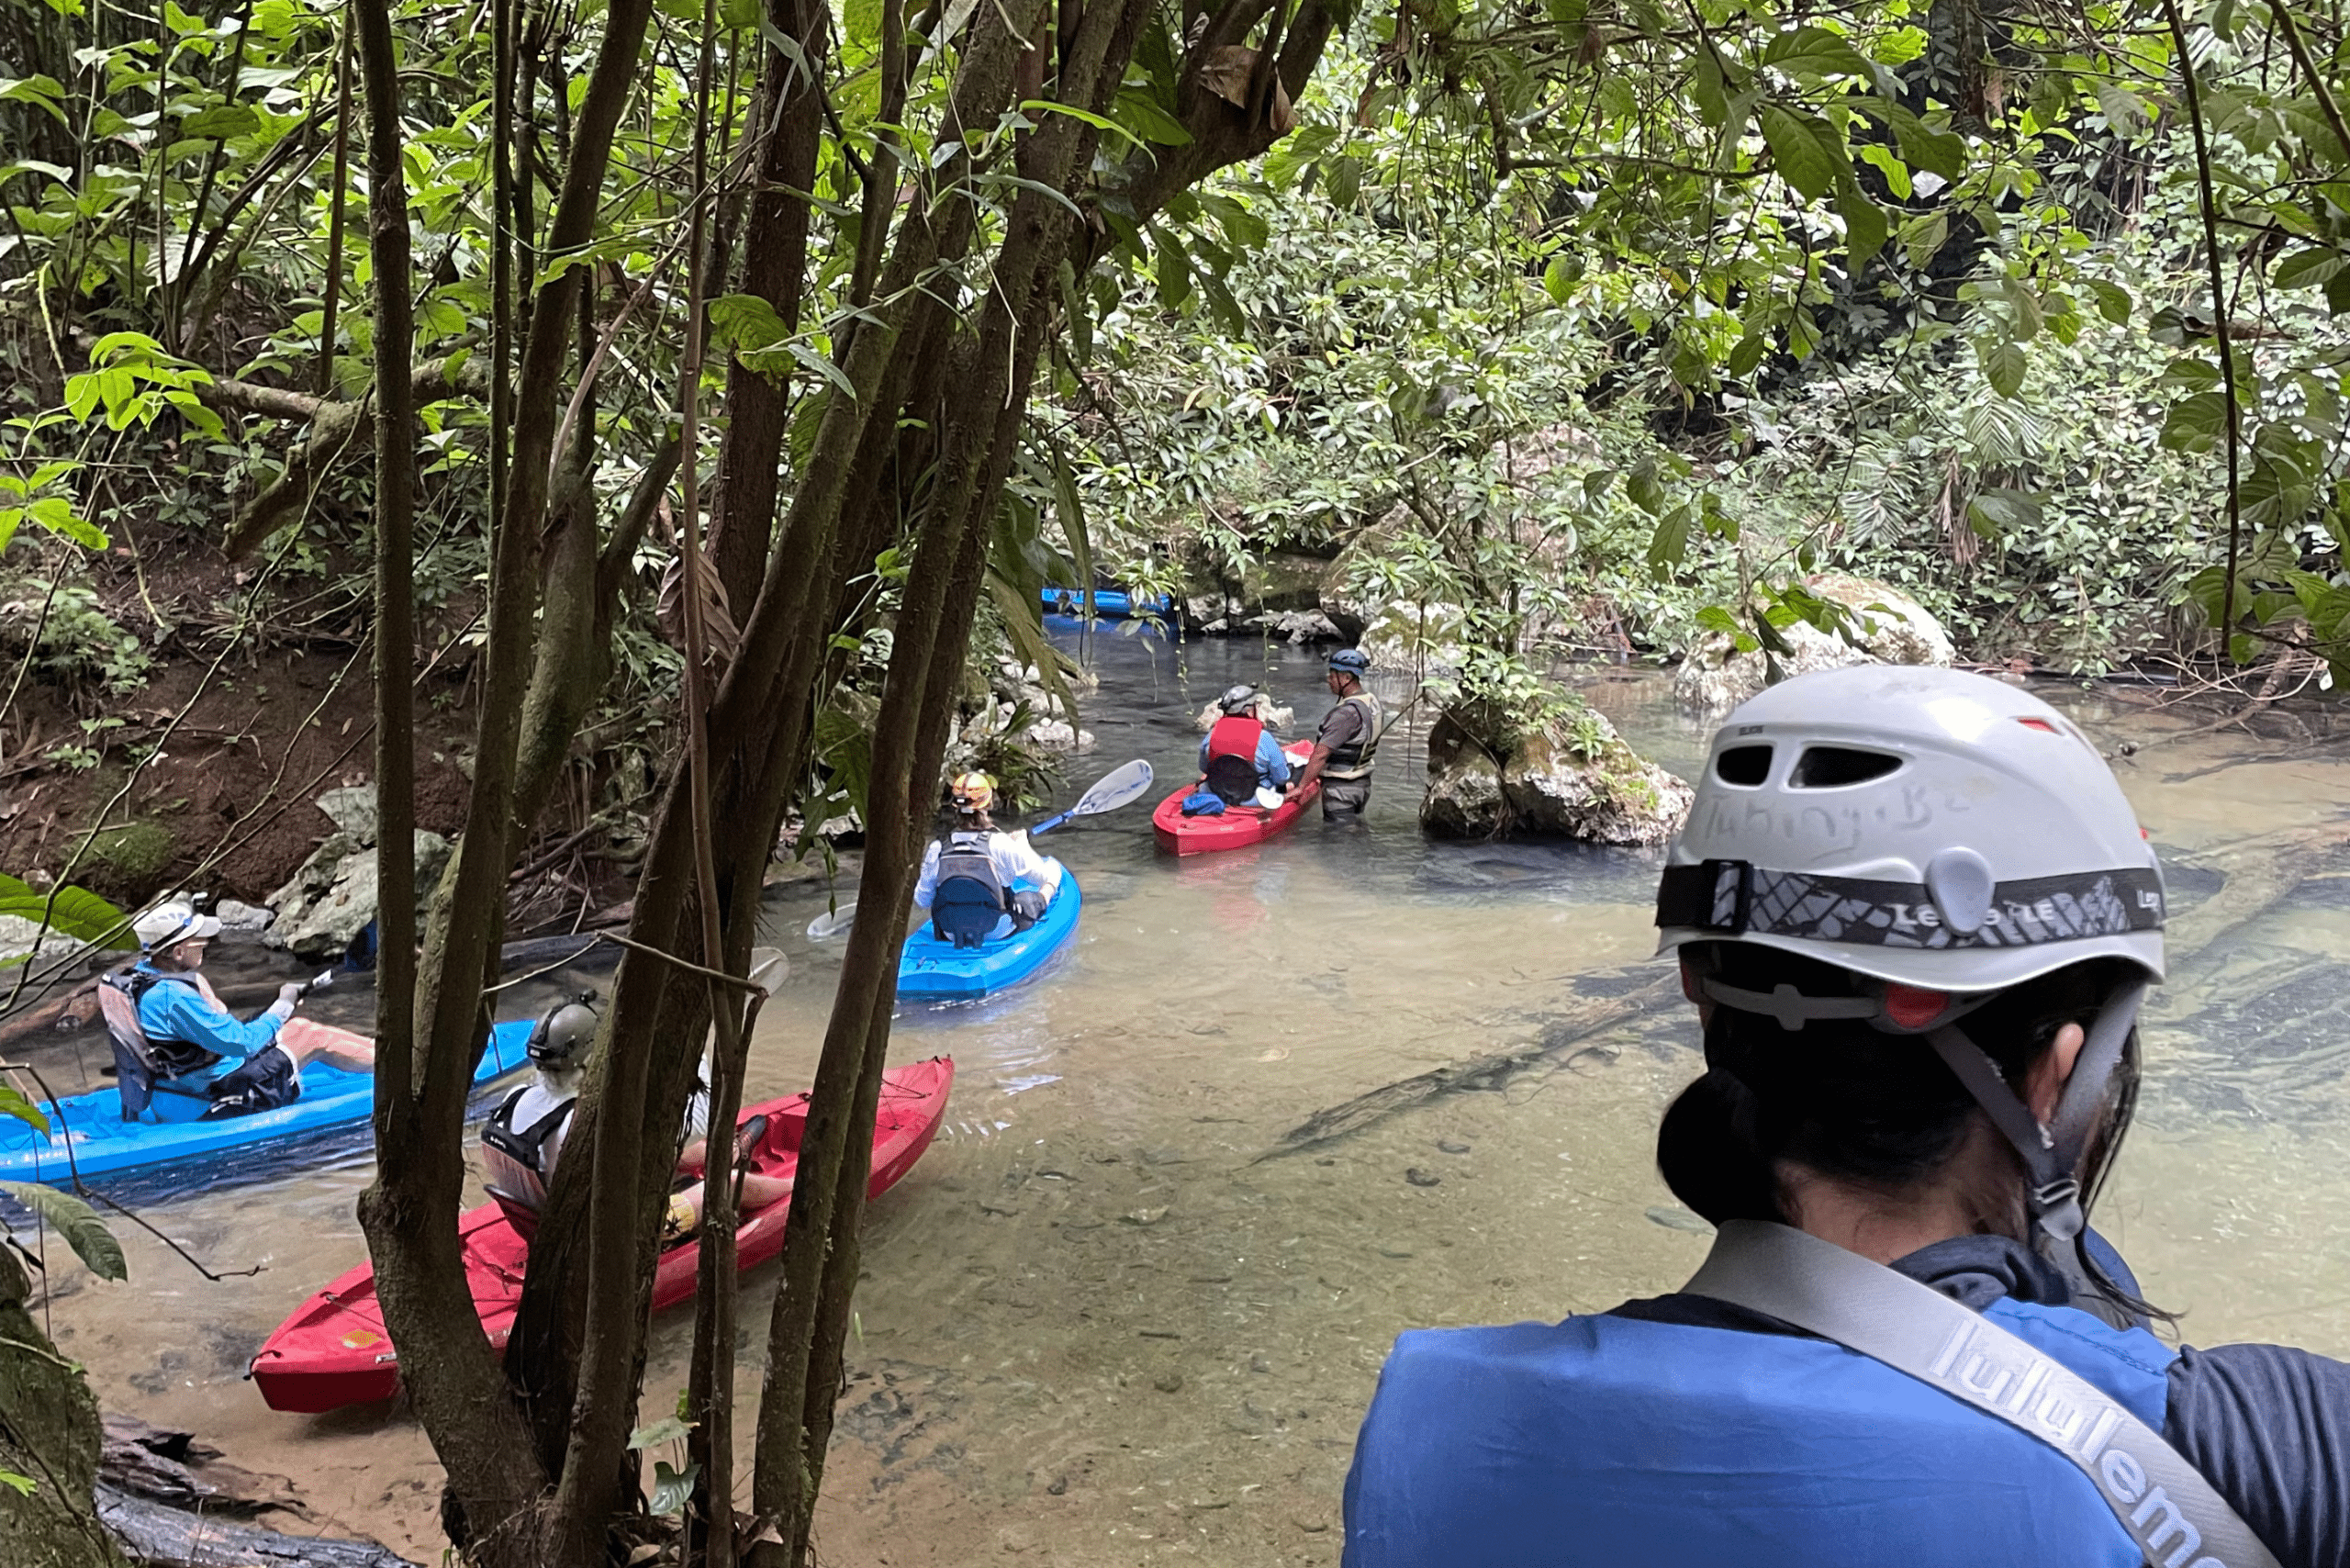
(1347, 742)
(166, 1023)
(1241, 761)
(524, 1137)
(978, 881)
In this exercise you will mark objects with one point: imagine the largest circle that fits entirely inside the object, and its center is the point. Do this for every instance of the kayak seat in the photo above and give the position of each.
(1232, 779)
(520, 1211)
(964, 910)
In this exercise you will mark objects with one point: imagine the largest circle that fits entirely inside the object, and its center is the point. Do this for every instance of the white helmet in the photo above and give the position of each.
(1923, 826)
(1945, 836)
(167, 924)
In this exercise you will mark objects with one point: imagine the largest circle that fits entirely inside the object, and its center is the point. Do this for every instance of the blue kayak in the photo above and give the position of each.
(933, 970)
(174, 1136)
(1107, 604)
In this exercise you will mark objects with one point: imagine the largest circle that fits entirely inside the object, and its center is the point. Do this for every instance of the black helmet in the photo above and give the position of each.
(563, 1037)
(1237, 699)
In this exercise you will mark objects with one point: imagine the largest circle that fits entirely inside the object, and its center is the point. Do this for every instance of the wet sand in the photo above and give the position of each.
(1118, 1314)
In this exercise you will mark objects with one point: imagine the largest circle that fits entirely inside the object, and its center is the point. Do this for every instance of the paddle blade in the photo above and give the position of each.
(1114, 790)
(767, 968)
(832, 923)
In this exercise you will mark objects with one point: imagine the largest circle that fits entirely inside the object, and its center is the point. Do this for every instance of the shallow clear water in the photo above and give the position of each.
(1274, 1105)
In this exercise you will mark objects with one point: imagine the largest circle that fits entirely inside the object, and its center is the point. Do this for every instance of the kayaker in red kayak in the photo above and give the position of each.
(1346, 742)
(166, 1021)
(977, 880)
(524, 1137)
(1241, 762)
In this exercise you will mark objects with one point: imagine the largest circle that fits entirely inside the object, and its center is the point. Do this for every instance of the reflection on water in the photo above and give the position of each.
(1272, 1106)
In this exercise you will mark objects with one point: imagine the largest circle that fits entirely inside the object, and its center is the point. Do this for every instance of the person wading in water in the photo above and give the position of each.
(1347, 742)
(1918, 919)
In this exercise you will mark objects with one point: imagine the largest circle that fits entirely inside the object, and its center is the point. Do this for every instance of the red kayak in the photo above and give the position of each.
(1238, 825)
(334, 1349)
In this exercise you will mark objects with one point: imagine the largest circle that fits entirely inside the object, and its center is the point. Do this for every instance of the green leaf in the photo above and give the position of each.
(672, 1489)
(1141, 114)
(1897, 173)
(1641, 485)
(1707, 90)
(1559, 281)
(2112, 301)
(1939, 152)
(2195, 424)
(72, 911)
(2002, 363)
(1865, 226)
(1814, 51)
(1668, 546)
(220, 123)
(78, 1223)
(2124, 110)
(1747, 355)
(14, 1103)
(2308, 268)
(1713, 617)
(668, 1430)
(1807, 154)
(1047, 105)
(1997, 509)
(1923, 238)
(24, 1485)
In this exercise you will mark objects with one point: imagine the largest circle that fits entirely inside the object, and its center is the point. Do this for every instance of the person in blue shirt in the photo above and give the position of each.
(1918, 919)
(175, 1025)
(1240, 759)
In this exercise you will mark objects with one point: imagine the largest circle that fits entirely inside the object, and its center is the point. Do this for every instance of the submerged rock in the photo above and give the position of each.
(1888, 626)
(1570, 776)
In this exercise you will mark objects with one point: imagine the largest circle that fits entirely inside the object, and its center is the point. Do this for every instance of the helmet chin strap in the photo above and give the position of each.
(2051, 1151)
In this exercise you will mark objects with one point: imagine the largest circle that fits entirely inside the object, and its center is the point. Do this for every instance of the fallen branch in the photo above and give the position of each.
(334, 427)
(1479, 1072)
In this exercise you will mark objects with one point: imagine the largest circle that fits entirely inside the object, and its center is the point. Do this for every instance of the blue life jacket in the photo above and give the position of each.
(1604, 1442)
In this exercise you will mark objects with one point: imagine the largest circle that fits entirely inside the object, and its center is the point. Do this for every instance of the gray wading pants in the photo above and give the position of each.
(1343, 800)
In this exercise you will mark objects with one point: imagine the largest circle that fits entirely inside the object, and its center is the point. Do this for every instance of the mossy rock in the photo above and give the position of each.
(1561, 773)
(131, 857)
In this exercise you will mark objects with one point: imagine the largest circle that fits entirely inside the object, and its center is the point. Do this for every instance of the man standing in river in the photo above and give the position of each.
(1346, 742)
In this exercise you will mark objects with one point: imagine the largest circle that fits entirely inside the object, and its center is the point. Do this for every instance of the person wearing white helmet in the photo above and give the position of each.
(166, 1023)
(1241, 760)
(1918, 919)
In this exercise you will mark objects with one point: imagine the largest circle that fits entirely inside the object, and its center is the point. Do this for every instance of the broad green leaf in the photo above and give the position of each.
(1865, 226)
(2112, 301)
(78, 1223)
(2307, 268)
(1814, 51)
(1642, 486)
(1939, 152)
(1747, 355)
(1999, 509)
(71, 911)
(668, 1430)
(1807, 154)
(2195, 424)
(672, 1489)
(1713, 617)
(220, 123)
(2124, 110)
(2002, 363)
(1668, 546)
(1897, 173)
(1559, 281)
(1141, 114)
(14, 1103)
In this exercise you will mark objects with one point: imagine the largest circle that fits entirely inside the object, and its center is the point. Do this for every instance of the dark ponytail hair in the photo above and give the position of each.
(1864, 1107)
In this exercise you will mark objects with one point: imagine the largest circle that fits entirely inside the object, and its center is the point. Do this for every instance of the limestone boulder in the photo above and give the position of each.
(332, 895)
(1569, 775)
(1887, 626)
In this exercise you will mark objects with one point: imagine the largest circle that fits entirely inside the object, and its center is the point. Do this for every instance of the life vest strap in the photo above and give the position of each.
(2166, 1503)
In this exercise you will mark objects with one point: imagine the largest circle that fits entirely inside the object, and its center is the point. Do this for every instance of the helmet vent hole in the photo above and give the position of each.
(1833, 766)
(1745, 765)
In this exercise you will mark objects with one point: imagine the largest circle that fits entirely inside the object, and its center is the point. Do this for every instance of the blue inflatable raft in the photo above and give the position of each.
(174, 1136)
(1107, 604)
(933, 970)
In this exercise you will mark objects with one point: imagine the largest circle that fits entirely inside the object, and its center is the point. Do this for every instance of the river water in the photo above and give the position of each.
(1277, 1104)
